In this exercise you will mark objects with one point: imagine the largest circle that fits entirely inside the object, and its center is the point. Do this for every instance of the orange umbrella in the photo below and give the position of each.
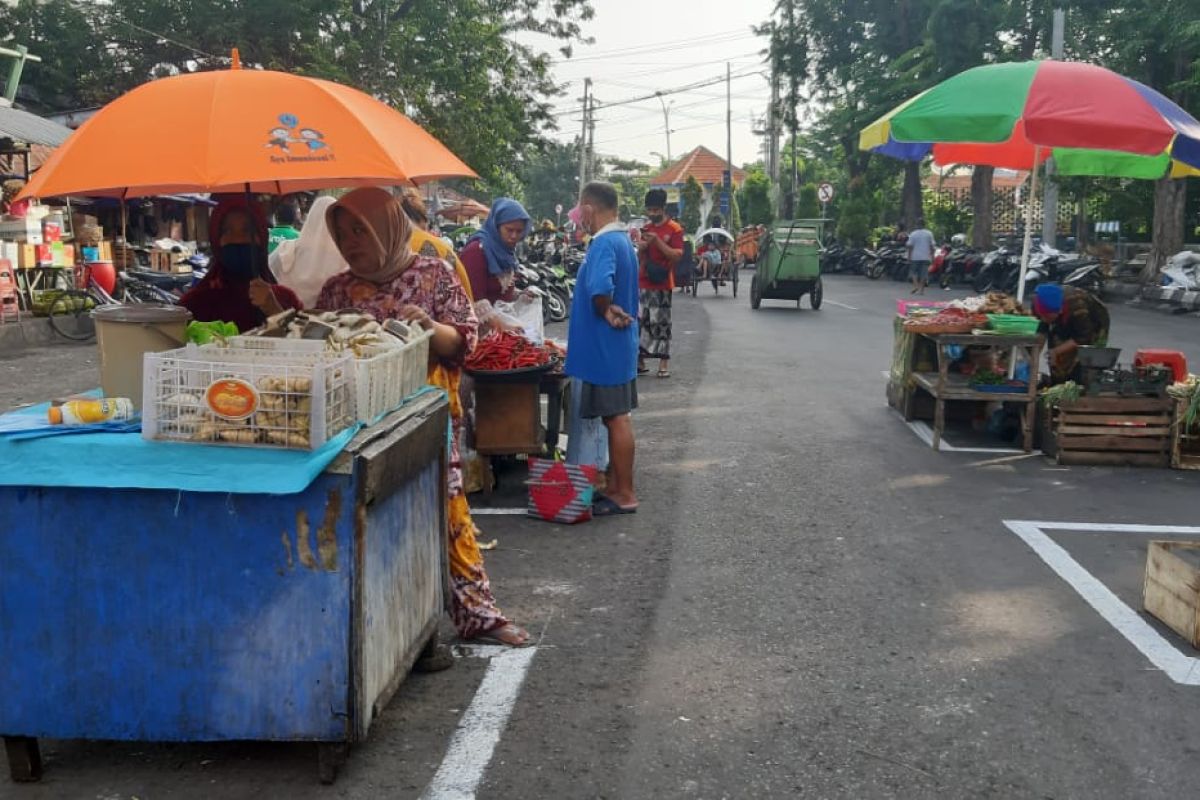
(242, 130)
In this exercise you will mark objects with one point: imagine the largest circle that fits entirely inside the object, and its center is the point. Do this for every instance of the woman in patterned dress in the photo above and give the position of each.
(388, 280)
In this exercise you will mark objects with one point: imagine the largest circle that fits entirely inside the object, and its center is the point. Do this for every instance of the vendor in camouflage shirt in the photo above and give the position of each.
(1071, 318)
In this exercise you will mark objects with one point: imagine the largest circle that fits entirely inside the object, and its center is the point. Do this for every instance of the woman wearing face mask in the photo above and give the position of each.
(239, 287)
(390, 281)
(490, 255)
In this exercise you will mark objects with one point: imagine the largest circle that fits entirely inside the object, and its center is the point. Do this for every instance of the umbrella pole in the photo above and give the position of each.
(1028, 245)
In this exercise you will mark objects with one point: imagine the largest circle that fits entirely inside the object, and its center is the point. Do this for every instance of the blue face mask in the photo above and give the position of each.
(237, 260)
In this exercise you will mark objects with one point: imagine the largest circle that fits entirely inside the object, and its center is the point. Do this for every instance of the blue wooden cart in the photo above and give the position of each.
(159, 615)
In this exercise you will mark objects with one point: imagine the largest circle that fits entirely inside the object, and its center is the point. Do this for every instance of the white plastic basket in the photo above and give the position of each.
(383, 377)
(215, 394)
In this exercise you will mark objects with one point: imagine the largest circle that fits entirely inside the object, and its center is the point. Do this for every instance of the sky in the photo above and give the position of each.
(644, 46)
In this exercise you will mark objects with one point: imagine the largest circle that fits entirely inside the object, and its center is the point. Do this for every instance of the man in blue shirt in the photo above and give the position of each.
(920, 247)
(602, 341)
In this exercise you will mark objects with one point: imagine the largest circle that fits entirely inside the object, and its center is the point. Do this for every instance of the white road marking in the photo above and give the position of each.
(478, 732)
(1136, 630)
(840, 305)
(498, 512)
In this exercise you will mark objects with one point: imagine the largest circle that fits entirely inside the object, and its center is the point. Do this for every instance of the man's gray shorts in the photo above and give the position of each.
(607, 401)
(918, 270)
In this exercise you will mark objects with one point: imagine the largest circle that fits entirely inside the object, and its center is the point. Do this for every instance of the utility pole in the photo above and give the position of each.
(591, 147)
(587, 85)
(773, 159)
(666, 122)
(729, 146)
(21, 54)
(1050, 198)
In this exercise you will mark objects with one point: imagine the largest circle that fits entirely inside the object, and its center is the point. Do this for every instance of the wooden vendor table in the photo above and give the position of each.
(943, 386)
(508, 415)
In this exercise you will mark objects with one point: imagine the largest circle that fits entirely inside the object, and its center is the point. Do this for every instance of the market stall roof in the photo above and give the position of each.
(21, 126)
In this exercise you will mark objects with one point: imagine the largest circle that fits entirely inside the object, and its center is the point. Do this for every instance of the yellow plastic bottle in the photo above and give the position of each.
(89, 412)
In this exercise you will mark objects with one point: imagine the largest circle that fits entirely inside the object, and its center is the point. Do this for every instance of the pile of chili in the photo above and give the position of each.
(506, 351)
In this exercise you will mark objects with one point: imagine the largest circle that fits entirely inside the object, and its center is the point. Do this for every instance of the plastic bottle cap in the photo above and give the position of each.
(55, 415)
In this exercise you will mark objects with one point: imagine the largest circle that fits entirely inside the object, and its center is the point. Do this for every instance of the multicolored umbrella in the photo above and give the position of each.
(1015, 115)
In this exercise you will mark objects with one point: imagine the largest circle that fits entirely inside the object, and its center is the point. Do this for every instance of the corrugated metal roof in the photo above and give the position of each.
(29, 128)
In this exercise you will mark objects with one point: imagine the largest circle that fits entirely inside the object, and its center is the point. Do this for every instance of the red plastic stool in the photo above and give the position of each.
(10, 302)
(1174, 359)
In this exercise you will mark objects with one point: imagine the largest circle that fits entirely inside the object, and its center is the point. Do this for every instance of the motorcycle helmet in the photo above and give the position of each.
(958, 239)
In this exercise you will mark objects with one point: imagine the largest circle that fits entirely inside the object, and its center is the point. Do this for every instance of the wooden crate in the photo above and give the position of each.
(1185, 442)
(1115, 431)
(1171, 592)
(507, 418)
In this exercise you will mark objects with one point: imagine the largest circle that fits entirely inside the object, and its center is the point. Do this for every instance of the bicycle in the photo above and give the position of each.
(71, 309)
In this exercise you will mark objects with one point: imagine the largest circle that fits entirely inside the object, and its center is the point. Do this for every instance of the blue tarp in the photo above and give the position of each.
(127, 461)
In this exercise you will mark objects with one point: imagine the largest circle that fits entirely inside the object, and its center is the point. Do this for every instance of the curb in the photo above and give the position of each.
(31, 332)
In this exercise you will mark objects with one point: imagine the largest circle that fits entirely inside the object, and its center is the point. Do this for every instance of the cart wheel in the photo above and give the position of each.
(817, 293)
(24, 759)
(755, 296)
(330, 758)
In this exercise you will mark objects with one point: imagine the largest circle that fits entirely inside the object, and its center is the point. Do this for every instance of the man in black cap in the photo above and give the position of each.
(660, 248)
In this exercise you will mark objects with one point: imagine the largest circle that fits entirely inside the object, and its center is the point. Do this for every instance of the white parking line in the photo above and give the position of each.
(1136, 630)
(475, 739)
(840, 305)
(498, 512)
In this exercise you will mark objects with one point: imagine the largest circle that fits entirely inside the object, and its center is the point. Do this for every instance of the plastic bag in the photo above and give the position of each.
(527, 311)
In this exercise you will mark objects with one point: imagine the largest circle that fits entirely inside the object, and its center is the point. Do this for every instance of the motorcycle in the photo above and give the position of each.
(832, 256)
(551, 284)
(889, 259)
(962, 265)
(1089, 277)
(1000, 271)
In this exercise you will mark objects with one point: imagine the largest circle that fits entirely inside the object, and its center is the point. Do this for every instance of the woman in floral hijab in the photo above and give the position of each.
(388, 280)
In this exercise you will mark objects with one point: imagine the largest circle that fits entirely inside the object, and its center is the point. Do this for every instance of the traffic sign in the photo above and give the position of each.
(725, 203)
(825, 192)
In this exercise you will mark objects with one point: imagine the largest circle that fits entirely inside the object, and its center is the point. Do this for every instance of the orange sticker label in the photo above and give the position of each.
(232, 399)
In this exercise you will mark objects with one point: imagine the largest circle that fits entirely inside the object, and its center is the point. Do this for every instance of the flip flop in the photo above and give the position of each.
(488, 637)
(607, 507)
(664, 373)
(643, 371)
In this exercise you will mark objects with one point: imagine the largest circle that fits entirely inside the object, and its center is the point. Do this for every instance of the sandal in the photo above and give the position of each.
(507, 635)
(642, 370)
(607, 507)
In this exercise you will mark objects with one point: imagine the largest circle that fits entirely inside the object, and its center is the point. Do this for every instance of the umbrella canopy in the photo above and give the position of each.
(717, 232)
(467, 209)
(242, 130)
(1015, 115)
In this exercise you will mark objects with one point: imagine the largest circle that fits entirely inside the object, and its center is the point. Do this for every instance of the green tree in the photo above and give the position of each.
(632, 179)
(550, 173)
(460, 68)
(755, 198)
(807, 204)
(691, 197)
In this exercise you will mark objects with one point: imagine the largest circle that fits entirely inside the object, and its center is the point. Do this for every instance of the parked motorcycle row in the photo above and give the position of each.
(957, 264)
(548, 269)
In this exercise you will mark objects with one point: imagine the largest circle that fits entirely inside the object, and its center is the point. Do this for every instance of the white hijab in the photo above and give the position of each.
(303, 265)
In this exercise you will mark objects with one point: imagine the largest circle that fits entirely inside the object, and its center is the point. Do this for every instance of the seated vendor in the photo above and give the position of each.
(1071, 318)
(239, 287)
(490, 256)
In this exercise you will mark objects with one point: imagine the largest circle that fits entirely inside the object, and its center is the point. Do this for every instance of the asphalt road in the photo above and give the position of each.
(810, 603)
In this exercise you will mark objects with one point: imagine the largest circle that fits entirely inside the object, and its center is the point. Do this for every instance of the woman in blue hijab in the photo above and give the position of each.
(490, 255)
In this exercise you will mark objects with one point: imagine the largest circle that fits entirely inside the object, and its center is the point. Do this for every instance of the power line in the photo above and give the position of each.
(682, 89)
(196, 50)
(662, 47)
